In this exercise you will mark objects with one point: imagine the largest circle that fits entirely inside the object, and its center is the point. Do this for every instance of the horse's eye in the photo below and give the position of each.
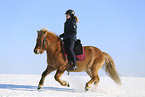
(45, 31)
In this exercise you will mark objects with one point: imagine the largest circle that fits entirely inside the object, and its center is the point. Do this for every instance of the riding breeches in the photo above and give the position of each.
(68, 46)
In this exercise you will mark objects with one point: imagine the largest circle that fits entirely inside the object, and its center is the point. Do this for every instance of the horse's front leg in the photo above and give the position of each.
(58, 74)
(48, 70)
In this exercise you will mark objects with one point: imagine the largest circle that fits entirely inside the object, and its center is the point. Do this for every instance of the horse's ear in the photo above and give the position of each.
(37, 31)
(45, 31)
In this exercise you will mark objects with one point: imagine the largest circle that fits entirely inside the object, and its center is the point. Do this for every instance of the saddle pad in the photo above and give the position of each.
(78, 57)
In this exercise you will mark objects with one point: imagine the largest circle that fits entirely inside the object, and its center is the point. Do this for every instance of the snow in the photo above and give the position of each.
(16, 85)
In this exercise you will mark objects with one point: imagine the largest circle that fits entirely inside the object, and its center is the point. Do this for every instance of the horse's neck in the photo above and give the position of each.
(53, 48)
(53, 53)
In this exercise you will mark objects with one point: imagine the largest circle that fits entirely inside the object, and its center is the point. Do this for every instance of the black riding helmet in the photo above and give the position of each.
(70, 12)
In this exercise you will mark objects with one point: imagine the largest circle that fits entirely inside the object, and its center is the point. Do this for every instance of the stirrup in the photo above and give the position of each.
(73, 68)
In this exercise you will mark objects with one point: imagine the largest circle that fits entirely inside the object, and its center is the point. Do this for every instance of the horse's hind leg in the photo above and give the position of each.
(93, 79)
(48, 70)
(93, 72)
(90, 74)
(97, 81)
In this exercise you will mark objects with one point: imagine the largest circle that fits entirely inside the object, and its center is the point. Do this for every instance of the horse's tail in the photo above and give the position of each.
(110, 69)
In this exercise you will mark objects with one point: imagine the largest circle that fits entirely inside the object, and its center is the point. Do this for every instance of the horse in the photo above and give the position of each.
(56, 60)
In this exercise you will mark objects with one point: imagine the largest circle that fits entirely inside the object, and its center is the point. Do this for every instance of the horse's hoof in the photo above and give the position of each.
(86, 90)
(39, 87)
(87, 87)
(68, 85)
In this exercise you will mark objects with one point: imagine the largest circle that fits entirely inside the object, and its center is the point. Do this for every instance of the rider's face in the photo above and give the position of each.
(67, 16)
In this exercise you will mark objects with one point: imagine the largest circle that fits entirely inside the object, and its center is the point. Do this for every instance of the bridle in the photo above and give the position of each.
(44, 40)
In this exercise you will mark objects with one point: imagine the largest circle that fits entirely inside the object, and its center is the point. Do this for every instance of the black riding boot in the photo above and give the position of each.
(74, 67)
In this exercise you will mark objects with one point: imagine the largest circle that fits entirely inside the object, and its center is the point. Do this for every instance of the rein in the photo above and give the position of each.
(47, 43)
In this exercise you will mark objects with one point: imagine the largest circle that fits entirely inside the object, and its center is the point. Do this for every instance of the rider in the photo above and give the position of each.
(69, 36)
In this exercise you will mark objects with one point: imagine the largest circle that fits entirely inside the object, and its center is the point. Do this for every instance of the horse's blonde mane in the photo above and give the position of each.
(44, 29)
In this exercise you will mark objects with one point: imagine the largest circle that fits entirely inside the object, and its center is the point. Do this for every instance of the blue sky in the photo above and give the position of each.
(114, 26)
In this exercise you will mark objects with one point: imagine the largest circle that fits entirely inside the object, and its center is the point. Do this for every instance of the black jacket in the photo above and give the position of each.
(70, 29)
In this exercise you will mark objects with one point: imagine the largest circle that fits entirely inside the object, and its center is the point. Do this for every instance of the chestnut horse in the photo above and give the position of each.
(56, 60)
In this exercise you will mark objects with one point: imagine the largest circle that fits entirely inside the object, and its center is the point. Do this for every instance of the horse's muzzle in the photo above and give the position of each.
(35, 51)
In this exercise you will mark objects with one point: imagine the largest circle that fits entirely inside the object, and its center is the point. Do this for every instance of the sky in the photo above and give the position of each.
(114, 26)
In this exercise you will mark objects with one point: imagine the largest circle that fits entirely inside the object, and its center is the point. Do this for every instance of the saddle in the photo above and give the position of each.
(78, 49)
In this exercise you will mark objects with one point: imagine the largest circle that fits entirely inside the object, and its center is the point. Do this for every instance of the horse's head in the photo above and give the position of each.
(41, 42)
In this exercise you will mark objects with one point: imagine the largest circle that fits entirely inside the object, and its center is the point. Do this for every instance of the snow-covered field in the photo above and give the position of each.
(14, 85)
